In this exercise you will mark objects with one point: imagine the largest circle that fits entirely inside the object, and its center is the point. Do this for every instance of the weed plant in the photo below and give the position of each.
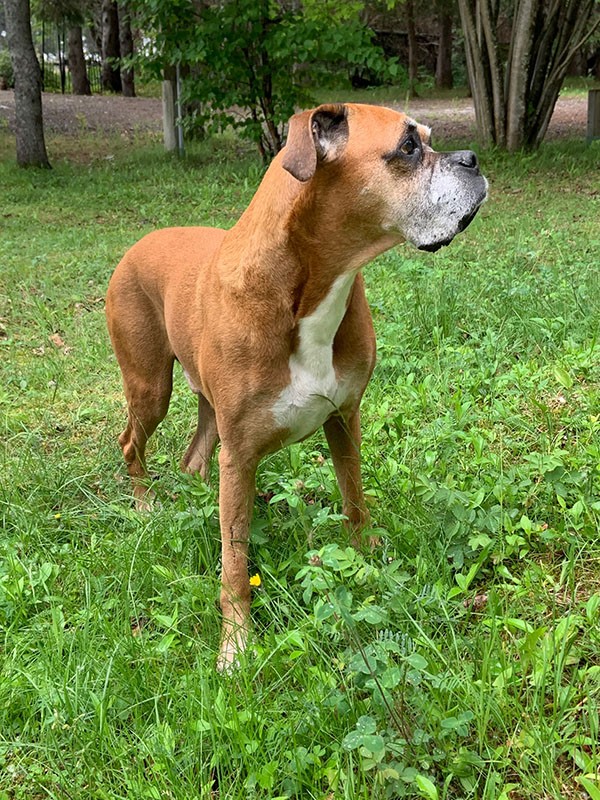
(459, 659)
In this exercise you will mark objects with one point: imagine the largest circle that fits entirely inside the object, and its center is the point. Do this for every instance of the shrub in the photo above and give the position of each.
(7, 77)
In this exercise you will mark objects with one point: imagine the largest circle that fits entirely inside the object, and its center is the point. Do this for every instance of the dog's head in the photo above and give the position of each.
(384, 161)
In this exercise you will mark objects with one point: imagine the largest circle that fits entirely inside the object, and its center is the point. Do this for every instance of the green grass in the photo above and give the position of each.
(578, 86)
(458, 660)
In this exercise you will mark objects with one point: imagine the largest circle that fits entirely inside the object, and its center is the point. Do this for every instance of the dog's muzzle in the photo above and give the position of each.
(465, 165)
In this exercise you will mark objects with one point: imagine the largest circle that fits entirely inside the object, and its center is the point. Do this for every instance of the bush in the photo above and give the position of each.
(7, 77)
(249, 65)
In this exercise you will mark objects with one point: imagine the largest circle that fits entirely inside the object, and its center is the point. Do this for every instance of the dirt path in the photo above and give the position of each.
(453, 119)
(72, 114)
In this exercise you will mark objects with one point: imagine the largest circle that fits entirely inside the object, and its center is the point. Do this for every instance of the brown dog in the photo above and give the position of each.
(269, 320)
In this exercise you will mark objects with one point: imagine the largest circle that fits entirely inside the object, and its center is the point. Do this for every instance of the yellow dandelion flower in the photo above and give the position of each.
(255, 580)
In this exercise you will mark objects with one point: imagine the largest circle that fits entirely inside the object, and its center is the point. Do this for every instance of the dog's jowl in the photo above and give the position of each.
(269, 320)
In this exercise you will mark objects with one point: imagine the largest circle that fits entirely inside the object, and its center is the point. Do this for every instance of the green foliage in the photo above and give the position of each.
(250, 64)
(7, 77)
(457, 660)
(61, 11)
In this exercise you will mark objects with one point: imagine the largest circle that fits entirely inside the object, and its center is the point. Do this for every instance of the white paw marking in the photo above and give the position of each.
(232, 646)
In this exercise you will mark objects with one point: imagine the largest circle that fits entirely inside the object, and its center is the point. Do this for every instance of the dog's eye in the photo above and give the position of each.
(408, 147)
(406, 153)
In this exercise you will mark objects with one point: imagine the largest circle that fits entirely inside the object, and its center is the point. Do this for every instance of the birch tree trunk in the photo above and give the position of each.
(514, 103)
(519, 73)
(489, 23)
(476, 68)
(573, 21)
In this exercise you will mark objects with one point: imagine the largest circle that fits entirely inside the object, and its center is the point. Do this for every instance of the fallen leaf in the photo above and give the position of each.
(476, 603)
(56, 340)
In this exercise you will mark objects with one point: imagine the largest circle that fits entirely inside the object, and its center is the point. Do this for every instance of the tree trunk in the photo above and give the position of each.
(111, 52)
(479, 80)
(518, 73)
(413, 62)
(126, 43)
(77, 67)
(489, 23)
(443, 69)
(31, 148)
(572, 23)
(169, 114)
(514, 111)
(95, 29)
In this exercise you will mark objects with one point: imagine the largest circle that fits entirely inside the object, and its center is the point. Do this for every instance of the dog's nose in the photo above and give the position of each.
(464, 158)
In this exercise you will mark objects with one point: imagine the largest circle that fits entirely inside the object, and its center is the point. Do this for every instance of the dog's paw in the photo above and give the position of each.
(144, 499)
(365, 541)
(233, 648)
(144, 504)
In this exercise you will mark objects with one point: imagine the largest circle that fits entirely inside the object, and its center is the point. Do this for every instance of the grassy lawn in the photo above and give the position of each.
(458, 660)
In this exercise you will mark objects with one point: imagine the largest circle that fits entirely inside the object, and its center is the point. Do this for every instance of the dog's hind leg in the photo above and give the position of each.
(198, 455)
(146, 360)
(147, 406)
(343, 437)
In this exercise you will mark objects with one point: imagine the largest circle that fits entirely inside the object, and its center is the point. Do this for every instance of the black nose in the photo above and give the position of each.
(464, 158)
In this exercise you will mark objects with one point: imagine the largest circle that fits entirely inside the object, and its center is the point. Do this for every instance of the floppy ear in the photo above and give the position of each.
(314, 136)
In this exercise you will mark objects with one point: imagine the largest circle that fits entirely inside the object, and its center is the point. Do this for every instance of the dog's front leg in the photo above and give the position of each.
(236, 497)
(343, 437)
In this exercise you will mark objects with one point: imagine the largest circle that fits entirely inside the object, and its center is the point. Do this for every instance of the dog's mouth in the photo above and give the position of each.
(467, 219)
(463, 223)
(434, 246)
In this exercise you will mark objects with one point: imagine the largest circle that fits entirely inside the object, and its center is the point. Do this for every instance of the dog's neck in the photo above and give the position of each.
(289, 216)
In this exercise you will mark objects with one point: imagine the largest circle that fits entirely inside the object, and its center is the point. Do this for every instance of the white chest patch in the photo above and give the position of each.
(314, 391)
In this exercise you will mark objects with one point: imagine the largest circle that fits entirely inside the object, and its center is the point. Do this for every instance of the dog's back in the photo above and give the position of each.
(169, 255)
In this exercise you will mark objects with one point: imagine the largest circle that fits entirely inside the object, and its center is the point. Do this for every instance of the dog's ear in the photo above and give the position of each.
(315, 136)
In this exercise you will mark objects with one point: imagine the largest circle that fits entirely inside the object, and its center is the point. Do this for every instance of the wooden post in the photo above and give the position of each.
(171, 101)
(168, 109)
(593, 119)
(179, 110)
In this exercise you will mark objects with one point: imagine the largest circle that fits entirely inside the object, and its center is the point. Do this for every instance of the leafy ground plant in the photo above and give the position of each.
(459, 659)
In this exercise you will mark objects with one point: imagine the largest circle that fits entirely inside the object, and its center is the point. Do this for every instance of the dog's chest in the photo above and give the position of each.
(315, 391)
